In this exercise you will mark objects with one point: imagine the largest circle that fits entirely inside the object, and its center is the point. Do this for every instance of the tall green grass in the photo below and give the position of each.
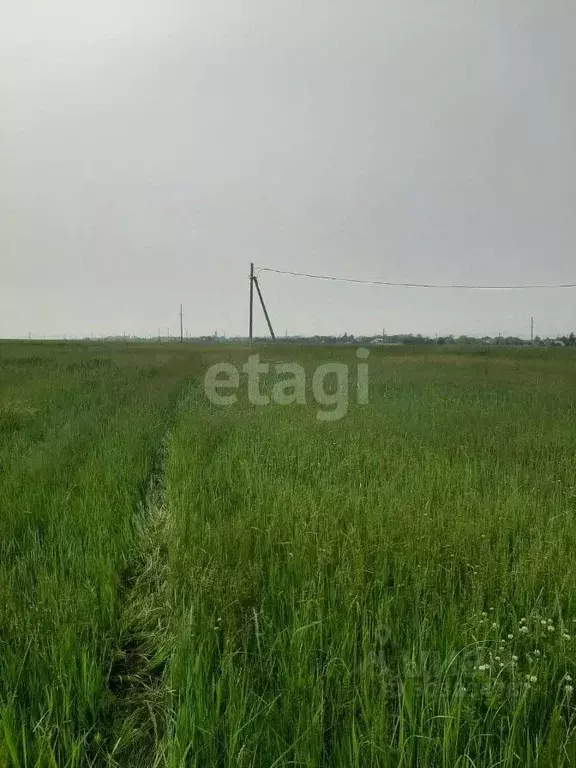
(396, 588)
(80, 431)
(189, 585)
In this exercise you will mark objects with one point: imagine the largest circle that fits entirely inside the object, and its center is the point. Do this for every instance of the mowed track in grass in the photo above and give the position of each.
(395, 588)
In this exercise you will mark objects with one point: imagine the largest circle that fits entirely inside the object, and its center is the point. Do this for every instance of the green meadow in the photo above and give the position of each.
(189, 584)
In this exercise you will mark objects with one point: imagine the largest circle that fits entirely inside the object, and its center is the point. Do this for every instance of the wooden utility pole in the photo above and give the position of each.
(181, 325)
(531, 330)
(254, 282)
(251, 325)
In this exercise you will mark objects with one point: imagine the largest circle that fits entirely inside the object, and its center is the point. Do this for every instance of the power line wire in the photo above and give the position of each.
(415, 285)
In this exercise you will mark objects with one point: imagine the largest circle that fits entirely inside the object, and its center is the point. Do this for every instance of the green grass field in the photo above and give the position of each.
(187, 584)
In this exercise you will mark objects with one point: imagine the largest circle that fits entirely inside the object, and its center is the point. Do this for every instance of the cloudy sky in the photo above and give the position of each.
(151, 149)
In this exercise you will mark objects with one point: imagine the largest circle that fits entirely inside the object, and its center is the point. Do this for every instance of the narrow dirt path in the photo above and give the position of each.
(138, 708)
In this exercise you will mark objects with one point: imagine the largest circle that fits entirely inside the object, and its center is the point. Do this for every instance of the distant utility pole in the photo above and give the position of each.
(251, 300)
(181, 325)
(383, 334)
(254, 282)
(531, 330)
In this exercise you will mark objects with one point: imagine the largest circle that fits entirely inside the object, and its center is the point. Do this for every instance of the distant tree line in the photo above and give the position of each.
(419, 339)
(393, 339)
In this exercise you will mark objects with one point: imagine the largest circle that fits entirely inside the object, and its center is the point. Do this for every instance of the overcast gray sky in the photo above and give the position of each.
(150, 149)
